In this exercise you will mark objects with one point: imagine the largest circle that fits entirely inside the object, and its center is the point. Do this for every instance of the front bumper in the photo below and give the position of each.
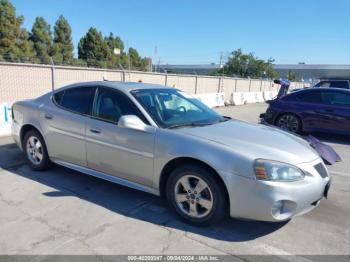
(276, 201)
(268, 117)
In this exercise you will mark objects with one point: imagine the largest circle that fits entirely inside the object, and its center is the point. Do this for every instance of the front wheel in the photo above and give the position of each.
(196, 195)
(36, 152)
(289, 122)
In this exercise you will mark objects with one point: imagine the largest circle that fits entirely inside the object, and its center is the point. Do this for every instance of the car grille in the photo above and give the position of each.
(321, 170)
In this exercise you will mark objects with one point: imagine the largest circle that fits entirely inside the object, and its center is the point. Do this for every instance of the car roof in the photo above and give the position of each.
(123, 86)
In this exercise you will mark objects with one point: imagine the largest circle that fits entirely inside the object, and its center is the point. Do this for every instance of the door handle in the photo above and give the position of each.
(48, 116)
(95, 130)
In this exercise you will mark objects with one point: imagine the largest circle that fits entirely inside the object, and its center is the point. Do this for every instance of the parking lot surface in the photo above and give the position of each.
(65, 212)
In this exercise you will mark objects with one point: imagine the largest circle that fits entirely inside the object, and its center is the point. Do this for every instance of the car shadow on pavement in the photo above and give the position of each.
(131, 203)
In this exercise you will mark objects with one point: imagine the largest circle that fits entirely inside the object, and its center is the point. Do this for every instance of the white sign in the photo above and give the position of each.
(116, 51)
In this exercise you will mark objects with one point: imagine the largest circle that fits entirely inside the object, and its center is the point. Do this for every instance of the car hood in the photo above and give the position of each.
(257, 141)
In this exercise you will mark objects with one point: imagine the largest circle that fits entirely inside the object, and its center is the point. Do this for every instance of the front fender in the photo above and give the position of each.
(171, 144)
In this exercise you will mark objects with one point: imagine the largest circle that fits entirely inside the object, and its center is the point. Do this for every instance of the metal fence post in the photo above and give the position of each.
(220, 82)
(196, 85)
(166, 79)
(123, 76)
(52, 74)
(236, 85)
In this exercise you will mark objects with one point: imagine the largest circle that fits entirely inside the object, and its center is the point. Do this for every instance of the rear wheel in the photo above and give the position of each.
(196, 195)
(36, 152)
(289, 122)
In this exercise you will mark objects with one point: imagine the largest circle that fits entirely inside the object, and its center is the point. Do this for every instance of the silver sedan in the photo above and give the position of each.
(165, 142)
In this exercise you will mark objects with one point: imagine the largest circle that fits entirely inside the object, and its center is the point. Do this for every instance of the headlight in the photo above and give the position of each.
(276, 171)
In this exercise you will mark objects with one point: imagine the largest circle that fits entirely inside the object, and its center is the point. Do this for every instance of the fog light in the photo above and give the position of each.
(283, 209)
(276, 209)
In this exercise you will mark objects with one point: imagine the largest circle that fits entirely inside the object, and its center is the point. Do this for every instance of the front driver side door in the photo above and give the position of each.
(121, 152)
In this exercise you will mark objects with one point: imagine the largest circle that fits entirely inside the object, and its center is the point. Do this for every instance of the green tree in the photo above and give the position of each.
(114, 42)
(291, 76)
(63, 45)
(247, 65)
(136, 62)
(14, 43)
(94, 49)
(41, 37)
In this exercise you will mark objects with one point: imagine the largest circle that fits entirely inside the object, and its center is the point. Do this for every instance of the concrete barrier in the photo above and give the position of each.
(269, 95)
(212, 100)
(237, 99)
(5, 119)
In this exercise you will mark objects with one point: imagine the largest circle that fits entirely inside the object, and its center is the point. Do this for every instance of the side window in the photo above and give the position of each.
(110, 105)
(310, 97)
(336, 98)
(76, 99)
(340, 84)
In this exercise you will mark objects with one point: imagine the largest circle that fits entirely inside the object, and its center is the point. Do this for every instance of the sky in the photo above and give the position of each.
(197, 31)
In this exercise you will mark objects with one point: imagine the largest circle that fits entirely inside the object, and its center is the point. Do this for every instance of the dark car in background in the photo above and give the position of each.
(334, 83)
(311, 110)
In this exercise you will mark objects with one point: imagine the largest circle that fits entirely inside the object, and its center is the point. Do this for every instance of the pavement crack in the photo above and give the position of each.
(212, 247)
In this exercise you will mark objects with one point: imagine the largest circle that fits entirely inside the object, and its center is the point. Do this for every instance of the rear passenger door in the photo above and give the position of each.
(64, 121)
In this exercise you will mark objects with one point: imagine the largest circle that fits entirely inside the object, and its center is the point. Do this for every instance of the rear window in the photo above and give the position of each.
(77, 99)
(58, 97)
(323, 84)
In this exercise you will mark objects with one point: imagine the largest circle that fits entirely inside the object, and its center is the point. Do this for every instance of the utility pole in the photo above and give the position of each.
(221, 58)
(155, 57)
(129, 62)
(221, 62)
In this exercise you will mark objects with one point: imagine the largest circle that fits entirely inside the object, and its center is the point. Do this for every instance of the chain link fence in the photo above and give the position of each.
(24, 80)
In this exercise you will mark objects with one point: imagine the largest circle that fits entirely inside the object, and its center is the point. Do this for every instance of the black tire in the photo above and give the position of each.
(215, 191)
(289, 122)
(45, 162)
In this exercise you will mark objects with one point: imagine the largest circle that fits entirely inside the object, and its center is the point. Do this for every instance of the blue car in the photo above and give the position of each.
(311, 110)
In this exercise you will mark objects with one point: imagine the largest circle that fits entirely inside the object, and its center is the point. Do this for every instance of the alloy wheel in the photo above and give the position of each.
(34, 150)
(289, 122)
(193, 196)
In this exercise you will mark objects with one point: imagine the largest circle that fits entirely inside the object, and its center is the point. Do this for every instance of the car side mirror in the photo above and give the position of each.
(135, 123)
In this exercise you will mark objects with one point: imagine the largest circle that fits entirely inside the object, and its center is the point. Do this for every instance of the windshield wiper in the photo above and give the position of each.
(188, 124)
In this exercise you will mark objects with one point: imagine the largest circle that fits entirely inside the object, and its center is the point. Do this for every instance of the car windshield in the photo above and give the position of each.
(171, 108)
